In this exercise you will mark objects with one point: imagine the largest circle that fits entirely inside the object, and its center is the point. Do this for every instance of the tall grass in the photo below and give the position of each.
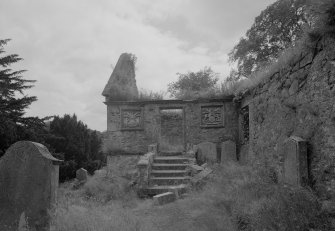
(255, 203)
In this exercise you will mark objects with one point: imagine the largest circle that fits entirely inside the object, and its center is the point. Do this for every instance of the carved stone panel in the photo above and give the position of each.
(131, 119)
(212, 116)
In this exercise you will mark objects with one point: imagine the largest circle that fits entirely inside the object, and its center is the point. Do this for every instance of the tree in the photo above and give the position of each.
(193, 84)
(13, 102)
(276, 28)
(76, 144)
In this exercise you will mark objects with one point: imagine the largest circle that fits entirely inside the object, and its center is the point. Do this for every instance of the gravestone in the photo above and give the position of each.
(207, 150)
(81, 175)
(228, 151)
(153, 148)
(295, 161)
(28, 186)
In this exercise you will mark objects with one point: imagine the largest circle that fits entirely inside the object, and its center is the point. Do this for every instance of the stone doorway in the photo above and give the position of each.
(172, 129)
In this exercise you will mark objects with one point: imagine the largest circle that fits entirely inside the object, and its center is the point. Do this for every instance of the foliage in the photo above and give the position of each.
(150, 95)
(14, 125)
(255, 202)
(77, 145)
(277, 27)
(194, 84)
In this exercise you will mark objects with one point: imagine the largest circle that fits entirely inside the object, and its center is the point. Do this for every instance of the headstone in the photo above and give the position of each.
(28, 186)
(121, 85)
(153, 148)
(164, 198)
(208, 150)
(228, 151)
(295, 161)
(81, 175)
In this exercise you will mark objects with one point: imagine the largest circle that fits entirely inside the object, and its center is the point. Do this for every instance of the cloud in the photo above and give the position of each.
(69, 46)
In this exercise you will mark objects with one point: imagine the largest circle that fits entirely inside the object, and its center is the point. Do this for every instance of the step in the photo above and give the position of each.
(170, 153)
(168, 180)
(154, 190)
(156, 166)
(170, 160)
(168, 173)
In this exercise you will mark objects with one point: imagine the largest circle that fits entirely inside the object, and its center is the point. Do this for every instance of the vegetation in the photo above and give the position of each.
(233, 198)
(14, 125)
(74, 143)
(194, 84)
(278, 27)
(150, 95)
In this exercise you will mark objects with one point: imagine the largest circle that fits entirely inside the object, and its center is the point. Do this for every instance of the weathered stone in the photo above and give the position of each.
(294, 87)
(194, 169)
(201, 175)
(122, 83)
(164, 198)
(81, 175)
(295, 161)
(153, 148)
(208, 150)
(28, 186)
(228, 151)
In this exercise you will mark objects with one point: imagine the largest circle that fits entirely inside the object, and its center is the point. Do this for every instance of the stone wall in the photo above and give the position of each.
(299, 100)
(132, 126)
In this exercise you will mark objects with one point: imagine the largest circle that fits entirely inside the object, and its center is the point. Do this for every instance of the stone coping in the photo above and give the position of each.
(170, 101)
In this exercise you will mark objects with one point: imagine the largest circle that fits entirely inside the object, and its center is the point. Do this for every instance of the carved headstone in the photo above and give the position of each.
(295, 161)
(228, 151)
(81, 175)
(121, 85)
(207, 151)
(28, 186)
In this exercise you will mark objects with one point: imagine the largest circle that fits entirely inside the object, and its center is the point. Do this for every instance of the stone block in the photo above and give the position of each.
(201, 175)
(228, 151)
(164, 198)
(295, 171)
(28, 186)
(153, 148)
(81, 175)
(208, 151)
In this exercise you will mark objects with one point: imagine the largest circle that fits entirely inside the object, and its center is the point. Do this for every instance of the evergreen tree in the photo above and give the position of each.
(14, 125)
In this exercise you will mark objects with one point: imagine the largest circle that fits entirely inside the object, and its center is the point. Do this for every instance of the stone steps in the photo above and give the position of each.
(170, 160)
(170, 153)
(168, 180)
(164, 166)
(168, 173)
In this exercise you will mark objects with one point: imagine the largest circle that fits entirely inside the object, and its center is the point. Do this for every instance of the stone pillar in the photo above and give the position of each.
(28, 186)
(295, 170)
(228, 151)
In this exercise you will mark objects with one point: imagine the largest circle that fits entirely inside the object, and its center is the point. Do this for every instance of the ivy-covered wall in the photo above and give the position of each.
(298, 100)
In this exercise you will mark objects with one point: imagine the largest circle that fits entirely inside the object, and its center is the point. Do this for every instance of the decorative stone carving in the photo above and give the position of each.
(131, 119)
(211, 116)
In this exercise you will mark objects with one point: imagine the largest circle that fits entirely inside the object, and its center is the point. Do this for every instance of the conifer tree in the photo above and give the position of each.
(13, 102)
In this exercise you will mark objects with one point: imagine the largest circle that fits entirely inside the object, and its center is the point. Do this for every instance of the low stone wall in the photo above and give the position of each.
(297, 101)
(131, 126)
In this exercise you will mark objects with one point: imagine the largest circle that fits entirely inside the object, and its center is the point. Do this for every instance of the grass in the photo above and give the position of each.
(234, 198)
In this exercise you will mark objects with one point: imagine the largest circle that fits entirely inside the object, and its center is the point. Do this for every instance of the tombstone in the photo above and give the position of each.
(81, 175)
(208, 151)
(153, 148)
(295, 161)
(228, 151)
(28, 186)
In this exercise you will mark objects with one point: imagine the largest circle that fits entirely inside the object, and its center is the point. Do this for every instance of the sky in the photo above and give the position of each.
(71, 46)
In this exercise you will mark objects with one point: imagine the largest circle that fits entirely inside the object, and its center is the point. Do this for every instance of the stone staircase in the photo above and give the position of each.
(168, 173)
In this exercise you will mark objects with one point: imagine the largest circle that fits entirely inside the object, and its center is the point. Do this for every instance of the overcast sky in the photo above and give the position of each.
(71, 46)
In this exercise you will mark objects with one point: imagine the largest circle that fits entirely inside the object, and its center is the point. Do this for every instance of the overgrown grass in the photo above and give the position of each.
(150, 95)
(255, 203)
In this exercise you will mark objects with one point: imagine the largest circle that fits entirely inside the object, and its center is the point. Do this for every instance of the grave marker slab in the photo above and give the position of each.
(81, 175)
(295, 161)
(208, 150)
(228, 151)
(28, 183)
